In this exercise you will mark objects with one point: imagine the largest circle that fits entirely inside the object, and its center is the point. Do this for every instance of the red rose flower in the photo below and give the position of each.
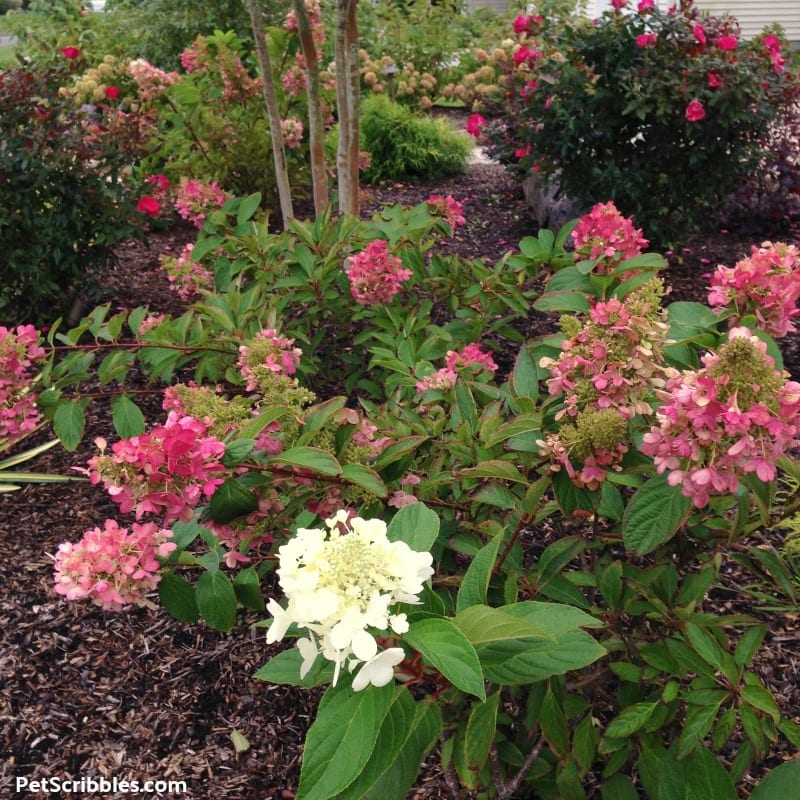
(112, 92)
(695, 111)
(70, 52)
(148, 205)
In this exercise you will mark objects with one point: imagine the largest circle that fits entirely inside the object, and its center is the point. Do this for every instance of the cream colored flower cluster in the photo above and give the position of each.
(341, 585)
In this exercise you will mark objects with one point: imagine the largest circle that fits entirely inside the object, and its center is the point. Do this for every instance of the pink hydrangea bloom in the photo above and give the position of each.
(151, 81)
(169, 470)
(194, 199)
(20, 356)
(375, 274)
(292, 131)
(442, 380)
(766, 285)
(314, 13)
(735, 416)
(605, 234)
(186, 277)
(471, 358)
(447, 207)
(267, 352)
(112, 566)
(614, 360)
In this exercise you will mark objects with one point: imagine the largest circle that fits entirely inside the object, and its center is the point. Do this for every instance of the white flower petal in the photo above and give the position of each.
(309, 651)
(379, 670)
(364, 645)
(280, 623)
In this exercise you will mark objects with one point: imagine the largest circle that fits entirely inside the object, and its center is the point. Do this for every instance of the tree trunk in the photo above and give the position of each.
(347, 95)
(278, 149)
(316, 128)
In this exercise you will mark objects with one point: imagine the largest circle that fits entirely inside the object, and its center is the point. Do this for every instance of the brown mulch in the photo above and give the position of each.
(135, 695)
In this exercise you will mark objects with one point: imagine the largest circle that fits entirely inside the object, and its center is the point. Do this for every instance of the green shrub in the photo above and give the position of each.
(165, 27)
(406, 146)
(661, 112)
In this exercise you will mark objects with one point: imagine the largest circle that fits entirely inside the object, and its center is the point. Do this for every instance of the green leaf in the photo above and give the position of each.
(248, 207)
(779, 784)
(284, 669)
(247, 586)
(475, 584)
(416, 525)
(709, 649)
(524, 378)
(216, 600)
(178, 597)
(114, 366)
(408, 733)
(699, 720)
(630, 720)
(699, 776)
(313, 458)
(562, 301)
(342, 739)
(519, 426)
(481, 730)
(241, 744)
(553, 724)
(68, 424)
(653, 515)
(571, 498)
(523, 661)
(231, 499)
(483, 625)
(396, 450)
(127, 417)
(447, 649)
(364, 477)
(619, 787)
(748, 644)
(762, 699)
(610, 583)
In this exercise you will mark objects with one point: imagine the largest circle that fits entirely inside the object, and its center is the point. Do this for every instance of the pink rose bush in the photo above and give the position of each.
(113, 566)
(375, 274)
(765, 285)
(733, 417)
(20, 356)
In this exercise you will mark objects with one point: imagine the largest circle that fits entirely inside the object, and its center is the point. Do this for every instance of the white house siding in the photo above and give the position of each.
(499, 6)
(754, 15)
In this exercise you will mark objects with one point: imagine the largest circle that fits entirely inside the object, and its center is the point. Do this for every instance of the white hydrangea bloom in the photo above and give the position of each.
(341, 585)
